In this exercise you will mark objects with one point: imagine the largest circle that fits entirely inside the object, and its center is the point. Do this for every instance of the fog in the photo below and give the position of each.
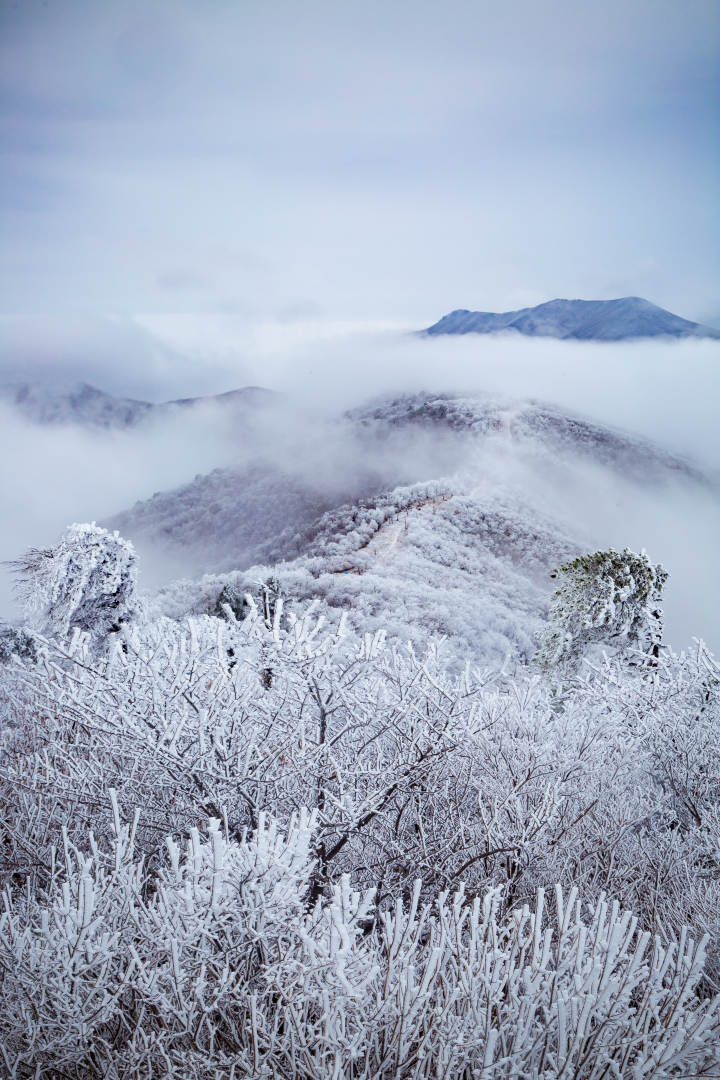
(52, 476)
(665, 391)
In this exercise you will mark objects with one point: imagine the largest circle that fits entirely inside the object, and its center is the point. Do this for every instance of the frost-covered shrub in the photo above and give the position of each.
(608, 597)
(111, 960)
(412, 772)
(86, 582)
(264, 596)
(187, 959)
(16, 641)
(668, 864)
(216, 966)
(186, 722)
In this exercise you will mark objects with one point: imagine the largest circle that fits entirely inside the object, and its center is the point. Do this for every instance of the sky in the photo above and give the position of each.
(361, 163)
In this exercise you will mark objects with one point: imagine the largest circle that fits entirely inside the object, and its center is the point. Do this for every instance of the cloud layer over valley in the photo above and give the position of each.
(661, 390)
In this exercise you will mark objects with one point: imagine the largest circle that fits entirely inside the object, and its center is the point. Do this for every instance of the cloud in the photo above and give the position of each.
(118, 354)
(56, 475)
(663, 390)
(183, 279)
(377, 161)
(666, 390)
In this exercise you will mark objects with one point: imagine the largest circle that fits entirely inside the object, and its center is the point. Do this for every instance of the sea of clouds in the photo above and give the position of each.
(665, 391)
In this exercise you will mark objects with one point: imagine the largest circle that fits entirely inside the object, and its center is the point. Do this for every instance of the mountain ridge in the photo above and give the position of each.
(622, 319)
(80, 402)
(457, 538)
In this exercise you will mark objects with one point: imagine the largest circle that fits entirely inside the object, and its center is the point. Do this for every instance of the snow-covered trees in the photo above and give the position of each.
(412, 772)
(215, 967)
(362, 846)
(15, 641)
(86, 582)
(607, 597)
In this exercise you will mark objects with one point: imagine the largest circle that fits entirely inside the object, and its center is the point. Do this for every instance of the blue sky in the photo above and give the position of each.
(369, 161)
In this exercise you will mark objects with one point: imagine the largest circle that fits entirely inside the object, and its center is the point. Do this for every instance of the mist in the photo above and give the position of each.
(665, 391)
(54, 475)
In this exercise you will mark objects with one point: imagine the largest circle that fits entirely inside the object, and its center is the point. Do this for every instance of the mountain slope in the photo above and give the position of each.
(78, 403)
(85, 405)
(583, 320)
(463, 549)
(417, 563)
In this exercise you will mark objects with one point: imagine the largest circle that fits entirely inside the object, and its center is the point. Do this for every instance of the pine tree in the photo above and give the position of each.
(605, 598)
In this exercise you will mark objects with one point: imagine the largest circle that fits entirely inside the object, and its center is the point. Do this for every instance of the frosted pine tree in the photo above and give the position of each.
(86, 582)
(607, 597)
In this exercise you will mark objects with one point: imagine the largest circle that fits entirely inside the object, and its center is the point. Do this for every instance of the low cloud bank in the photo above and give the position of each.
(664, 390)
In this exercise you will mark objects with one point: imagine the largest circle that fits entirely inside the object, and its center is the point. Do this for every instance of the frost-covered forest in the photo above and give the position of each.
(258, 842)
(359, 575)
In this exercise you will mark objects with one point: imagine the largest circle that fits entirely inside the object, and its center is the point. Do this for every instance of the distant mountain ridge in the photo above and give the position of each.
(81, 403)
(582, 320)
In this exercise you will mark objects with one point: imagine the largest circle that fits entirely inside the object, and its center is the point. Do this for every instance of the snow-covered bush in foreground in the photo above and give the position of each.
(216, 966)
(303, 951)
(412, 773)
(86, 582)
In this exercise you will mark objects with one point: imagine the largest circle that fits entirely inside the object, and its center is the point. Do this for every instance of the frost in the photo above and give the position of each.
(608, 597)
(270, 843)
(87, 582)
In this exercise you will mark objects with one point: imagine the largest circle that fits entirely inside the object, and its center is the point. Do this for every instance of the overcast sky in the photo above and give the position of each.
(357, 160)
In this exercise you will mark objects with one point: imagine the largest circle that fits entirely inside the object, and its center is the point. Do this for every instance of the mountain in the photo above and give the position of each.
(78, 403)
(582, 320)
(85, 405)
(449, 524)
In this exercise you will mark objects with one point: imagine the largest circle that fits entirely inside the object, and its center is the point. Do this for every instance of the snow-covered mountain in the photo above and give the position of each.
(585, 320)
(85, 405)
(455, 538)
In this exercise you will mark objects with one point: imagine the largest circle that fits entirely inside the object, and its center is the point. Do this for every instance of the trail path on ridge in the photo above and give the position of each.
(383, 544)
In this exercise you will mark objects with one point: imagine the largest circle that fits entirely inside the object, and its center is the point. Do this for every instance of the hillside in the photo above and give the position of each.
(82, 404)
(341, 757)
(455, 537)
(583, 320)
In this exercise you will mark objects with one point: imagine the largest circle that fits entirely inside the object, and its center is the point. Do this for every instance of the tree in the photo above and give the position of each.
(241, 602)
(86, 582)
(16, 641)
(608, 597)
(211, 966)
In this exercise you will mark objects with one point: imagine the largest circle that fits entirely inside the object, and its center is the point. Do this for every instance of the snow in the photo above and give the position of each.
(324, 811)
(585, 320)
(466, 556)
